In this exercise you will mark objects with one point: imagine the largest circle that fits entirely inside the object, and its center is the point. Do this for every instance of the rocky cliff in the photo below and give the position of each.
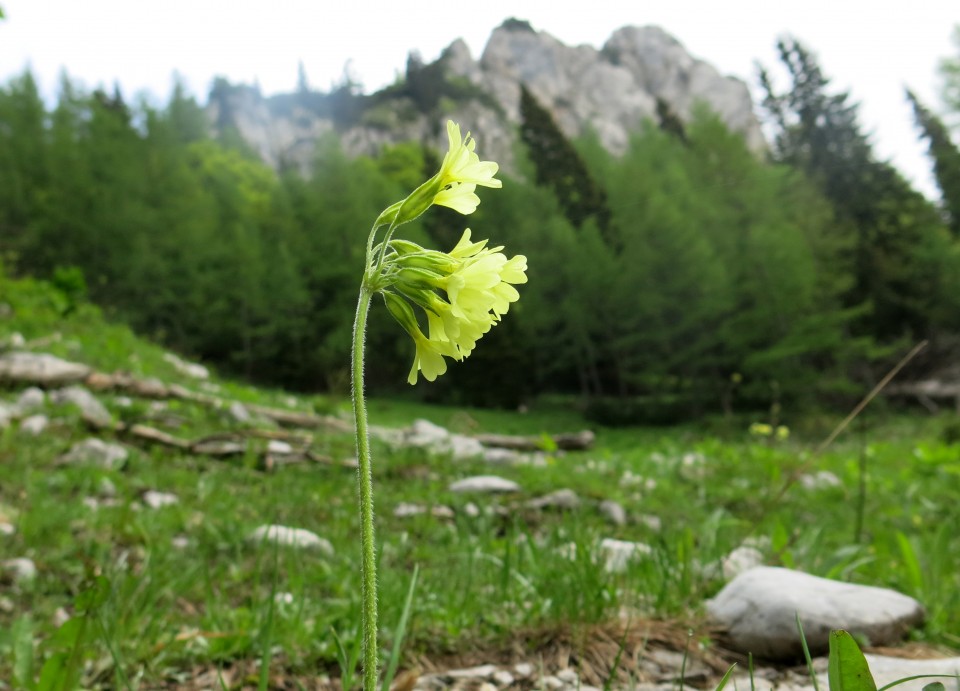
(610, 91)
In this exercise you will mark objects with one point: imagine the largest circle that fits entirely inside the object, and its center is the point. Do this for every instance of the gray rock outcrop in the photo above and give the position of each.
(610, 91)
(758, 610)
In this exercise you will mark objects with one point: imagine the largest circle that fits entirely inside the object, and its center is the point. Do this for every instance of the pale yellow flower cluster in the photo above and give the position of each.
(463, 292)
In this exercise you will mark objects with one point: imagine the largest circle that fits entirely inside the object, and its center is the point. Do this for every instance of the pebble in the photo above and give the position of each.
(290, 537)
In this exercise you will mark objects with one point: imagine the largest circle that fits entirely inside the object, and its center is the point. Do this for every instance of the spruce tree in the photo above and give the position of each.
(559, 167)
(946, 160)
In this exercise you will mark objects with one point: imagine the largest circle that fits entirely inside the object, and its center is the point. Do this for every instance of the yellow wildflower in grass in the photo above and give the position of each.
(463, 293)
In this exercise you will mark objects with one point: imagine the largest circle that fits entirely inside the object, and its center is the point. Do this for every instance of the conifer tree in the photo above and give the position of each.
(946, 160)
(559, 166)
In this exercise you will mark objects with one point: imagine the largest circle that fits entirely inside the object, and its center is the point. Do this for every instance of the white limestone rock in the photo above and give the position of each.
(406, 510)
(20, 570)
(90, 407)
(758, 610)
(610, 92)
(40, 368)
(484, 484)
(34, 425)
(613, 512)
(617, 554)
(190, 369)
(157, 500)
(30, 399)
(563, 499)
(279, 448)
(106, 455)
(290, 537)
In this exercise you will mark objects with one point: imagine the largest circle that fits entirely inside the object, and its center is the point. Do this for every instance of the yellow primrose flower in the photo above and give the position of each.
(454, 186)
(464, 293)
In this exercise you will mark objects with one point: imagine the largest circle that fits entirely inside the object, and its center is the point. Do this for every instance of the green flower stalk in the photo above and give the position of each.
(458, 296)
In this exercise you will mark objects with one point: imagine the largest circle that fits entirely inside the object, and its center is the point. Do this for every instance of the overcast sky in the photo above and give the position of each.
(871, 47)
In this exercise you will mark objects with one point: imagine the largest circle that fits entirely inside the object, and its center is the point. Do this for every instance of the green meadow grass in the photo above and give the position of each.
(181, 589)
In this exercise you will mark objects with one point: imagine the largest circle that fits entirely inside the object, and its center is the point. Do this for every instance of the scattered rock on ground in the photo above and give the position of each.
(91, 408)
(823, 479)
(424, 434)
(20, 570)
(30, 399)
(484, 483)
(404, 510)
(501, 456)
(239, 413)
(40, 368)
(613, 512)
(34, 425)
(617, 554)
(290, 537)
(278, 447)
(106, 455)
(157, 500)
(188, 368)
(758, 610)
(564, 499)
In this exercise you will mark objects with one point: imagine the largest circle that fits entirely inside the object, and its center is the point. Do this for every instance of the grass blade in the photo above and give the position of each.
(394, 661)
(806, 655)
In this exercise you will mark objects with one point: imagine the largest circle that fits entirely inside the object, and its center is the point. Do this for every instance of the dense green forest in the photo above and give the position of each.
(687, 275)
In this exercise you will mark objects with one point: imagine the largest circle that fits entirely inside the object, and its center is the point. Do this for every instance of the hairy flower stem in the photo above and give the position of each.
(368, 569)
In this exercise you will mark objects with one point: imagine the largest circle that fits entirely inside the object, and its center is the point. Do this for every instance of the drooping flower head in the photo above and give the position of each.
(464, 293)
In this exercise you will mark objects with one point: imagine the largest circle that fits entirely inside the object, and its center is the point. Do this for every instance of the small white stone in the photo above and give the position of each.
(484, 483)
(239, 412)
(281, 448)
(7, 529)
(21, 569)
(823, 479)
(34, 425)
(31, 399)
(501, 456)
(502, 678)
(471, 509)
(561, 499)
(290, 537)
(98, 452)
(180, 541)
(613, 512)
(60, 617)
(617, 554)
(523, 669)
(481, 672)
(567, 676)
(157, 500)
(551, 682)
